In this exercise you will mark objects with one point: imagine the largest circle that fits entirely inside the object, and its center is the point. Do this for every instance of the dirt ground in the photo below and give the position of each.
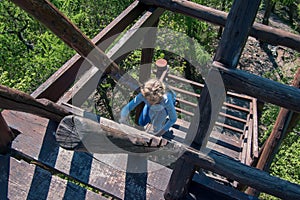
(276, 60)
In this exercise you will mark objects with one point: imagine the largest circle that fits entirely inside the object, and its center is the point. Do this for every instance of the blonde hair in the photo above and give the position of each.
(153, 90)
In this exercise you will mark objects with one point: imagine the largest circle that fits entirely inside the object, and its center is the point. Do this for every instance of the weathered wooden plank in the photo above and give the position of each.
(82, 134)
(61, 80)
(185, 81)
(122, 49)
(262, 32)
(250, 139)
(146, 62)
(20, 101)
(215, 147)
(87, 82)
(179, 110)
(216, 142)
(200, 86)
(275, 36)
(244, 147)
(185, 102)
(272, 144)
(38, 142)
(244, 138)
(147, 53)
(261, 88)
(176, 189)
(227, 141)
(21, 180)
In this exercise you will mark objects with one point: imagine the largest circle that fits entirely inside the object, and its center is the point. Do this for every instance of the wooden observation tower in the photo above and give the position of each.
(219, 160)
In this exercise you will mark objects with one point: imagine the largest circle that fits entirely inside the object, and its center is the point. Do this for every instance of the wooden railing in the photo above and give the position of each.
(239, 81)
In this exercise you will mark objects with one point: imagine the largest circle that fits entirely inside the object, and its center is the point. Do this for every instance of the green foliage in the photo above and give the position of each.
(30, 53)
(286, 163)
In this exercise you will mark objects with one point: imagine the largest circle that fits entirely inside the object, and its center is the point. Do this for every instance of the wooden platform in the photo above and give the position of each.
(38, 145)
(46, 171)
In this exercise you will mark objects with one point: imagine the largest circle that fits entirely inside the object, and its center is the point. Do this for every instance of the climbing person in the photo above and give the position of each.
(159, 110)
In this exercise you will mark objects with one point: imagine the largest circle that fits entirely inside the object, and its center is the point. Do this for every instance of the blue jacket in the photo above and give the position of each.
(167, 102)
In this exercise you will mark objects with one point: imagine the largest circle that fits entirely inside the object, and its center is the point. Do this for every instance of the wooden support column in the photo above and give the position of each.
(148, 52)
(146, 61)
(276, 137)
(5, 135)
(240, 20)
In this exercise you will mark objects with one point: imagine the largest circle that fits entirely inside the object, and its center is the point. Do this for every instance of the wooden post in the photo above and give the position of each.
(240, 20)
(146, 62)
(147, 53)
(276, 137)
(162, 69)
(5, 135)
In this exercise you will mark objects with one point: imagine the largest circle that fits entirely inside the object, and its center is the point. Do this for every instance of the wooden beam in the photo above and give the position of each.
(139, 141)
(61, 26)
(83, 134)
(16, 100)
(275, 36)
(201, 180)
(245, 175)
(61, 80)
(261, 88)
(261, 32)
